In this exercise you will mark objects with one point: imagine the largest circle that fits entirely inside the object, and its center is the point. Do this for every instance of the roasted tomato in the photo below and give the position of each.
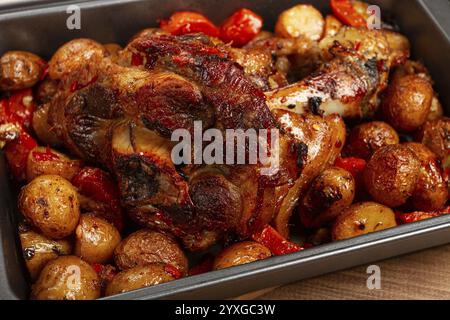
(17, 152)
(21, 107)
(404, 218)
(346, 13)
(98, 185)
(185, 22)
(278, 245)
(241, 27)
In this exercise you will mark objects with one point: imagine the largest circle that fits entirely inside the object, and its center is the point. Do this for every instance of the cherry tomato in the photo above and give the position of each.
(346, 13)
(278, 245)
(17, 152)
(98, 185)
(18, 109)
(241, 27)
(185, 22)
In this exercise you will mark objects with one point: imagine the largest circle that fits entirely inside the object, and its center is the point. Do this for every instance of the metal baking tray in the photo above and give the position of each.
(40, 27)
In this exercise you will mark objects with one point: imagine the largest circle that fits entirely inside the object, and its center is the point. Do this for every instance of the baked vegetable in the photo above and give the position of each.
(241, 253)
(185, 22)
(302, 20)
(241, 27)
(20, 70)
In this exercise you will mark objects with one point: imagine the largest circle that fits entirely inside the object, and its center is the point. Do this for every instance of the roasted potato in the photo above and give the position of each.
(300, 20)
(332, 26)
(67, 278)
(392, 174)
(95, 239)
(46, 91)
(41, 127)
(140, 277)
(367, 138)
(431, 192)
(74, 55)
(436, 136)
(50, 204)
(362, 218)
(436, 111)
(408, 102)
(331, 192)
(38, 250)
(48, 161)
(241, 253)
(147, 246)
(20, 70)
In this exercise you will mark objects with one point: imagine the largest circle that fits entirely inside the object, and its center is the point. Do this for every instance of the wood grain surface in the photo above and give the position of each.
(423, 275)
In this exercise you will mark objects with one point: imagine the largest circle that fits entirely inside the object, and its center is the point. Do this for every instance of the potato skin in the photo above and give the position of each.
(367, 138)
(50, 204)
(436, 136)
(300, 20)
(332, 26)
(331, 192)
(56, 164)
(408, 102)
(42, 128)
(20, 70)
(95, 239)
(38, 250)
(73, 55)
(362, 218)
(67, 278)
(391, 175)
(241, 253)
(431, 193)
(139, 277)
(147, 246)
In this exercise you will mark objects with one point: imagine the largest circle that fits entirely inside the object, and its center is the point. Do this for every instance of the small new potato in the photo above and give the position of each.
(332, 26)
(331, 192)
(95, 239)
(67, 278)
(50, 204)
(38, 250)
(362, 218)
(147, 246)
(368, 137)
(431, 193)
(47, 161)
(140, 277)
(73, 55)
(436, 136)
(41, 127)
(300, 20)
(408, 102)
(241, 253)
(20, 70)
(391, 175)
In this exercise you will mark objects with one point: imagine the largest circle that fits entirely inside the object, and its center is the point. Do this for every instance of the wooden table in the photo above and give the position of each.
(423, 275)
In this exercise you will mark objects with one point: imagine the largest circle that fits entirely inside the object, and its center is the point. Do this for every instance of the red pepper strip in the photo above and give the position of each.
(98, 185)
(344, 11)
(20, 108)
(241, 27)
(185, 22)
(17, 152)
(173, 271)
(278, 245)
(75, 86)
(355, 166)
(405, 218)
(48, 155)
(205, 265)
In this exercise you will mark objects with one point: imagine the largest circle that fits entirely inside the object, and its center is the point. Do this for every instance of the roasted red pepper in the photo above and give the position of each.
(344, 11)
(98, 185)
(18, 108)
(241, 27)
(48, 155)
(278, 245)
(185, 22)
(173, 271)
(355, 166)
(405, 218)
(17, 152)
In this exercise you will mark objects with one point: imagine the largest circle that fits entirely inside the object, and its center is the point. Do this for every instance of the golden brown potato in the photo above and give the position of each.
(408, 102)
(431, 192)
(362, 218)
(332, 26)
(38, 250)
(95, 239)
(392, 174)
(241, 253)
(331, 192)
(42, 128)
(147, 246)
(300, 20)
(367, 138)
(436, 136)
(50, 203)
(46, 90)
(67, 278)
(47, 161)
(73, 55)
(436, 111)
(20, 70)
(140, 277)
